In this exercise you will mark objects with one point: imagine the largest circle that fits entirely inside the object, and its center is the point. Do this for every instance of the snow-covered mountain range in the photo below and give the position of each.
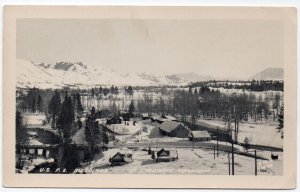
(44, 75)
(77, 74)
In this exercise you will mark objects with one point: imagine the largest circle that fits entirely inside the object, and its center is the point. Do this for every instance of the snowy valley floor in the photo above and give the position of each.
(198, 161)
(190, 161)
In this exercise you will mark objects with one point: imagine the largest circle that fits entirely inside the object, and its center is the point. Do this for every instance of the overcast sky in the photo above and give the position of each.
(218, 48)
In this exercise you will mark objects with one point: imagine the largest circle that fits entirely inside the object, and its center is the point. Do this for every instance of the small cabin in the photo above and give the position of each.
(199, 136)
(166, 155)
(145, 116)
(120, 159)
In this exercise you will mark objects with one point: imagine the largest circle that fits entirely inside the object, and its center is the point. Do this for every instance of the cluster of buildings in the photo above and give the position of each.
(168, 126)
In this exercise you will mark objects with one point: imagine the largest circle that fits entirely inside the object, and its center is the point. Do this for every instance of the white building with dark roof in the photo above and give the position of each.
(199, 136)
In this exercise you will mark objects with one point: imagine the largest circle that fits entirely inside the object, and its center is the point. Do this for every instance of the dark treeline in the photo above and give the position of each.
(38, 100)
(35, 100)
(21, 134)
(253, 85)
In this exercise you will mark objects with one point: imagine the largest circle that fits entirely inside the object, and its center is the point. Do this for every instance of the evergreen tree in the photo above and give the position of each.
(112, 89)
(40, 104)
(76, 101)
(246, 143)
(116, 90)
(93, 112)
(129, 90)
(92, 131)
(105, 91)
(33, 106)
(131, 108)
(66, 117)
(20, 129)
(105, 139)
(190, 90)
(79, 105)
(79, 123)
(54, 107)
(280, 118)
(93, 92)
(195, 92)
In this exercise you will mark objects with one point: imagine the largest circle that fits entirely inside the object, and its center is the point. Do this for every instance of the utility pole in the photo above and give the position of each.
(232, 153)
(218, 142)
(235, 125)
(255, 162)
(214, 152)
(114, 132)
(228, 163)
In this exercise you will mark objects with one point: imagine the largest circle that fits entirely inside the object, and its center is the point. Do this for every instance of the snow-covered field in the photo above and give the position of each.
(30, 163)
(259, 132)
(190, 161)
(198, 161)
(35, 120)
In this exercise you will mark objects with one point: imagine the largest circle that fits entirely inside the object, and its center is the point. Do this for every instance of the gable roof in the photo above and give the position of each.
(171, 118)
(114, 117)
(145, 115)
(118, 155)
(163, 152)
(167, 153)
(126, 157)
(200, 134)
(169, 126)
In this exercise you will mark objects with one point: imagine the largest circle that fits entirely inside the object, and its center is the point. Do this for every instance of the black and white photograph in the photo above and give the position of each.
(151, 96)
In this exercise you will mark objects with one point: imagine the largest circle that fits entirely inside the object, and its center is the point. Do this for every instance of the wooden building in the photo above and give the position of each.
(166, 155)
(199, 136)
(120, 159)
(174, 129)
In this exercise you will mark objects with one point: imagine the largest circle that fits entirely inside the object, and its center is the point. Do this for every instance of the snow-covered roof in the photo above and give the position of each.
(171, 118)
(200, 134)
(169, 126)
(145, 114)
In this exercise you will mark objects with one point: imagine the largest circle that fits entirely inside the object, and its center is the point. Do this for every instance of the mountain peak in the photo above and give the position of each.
(269, 74)
(64, 66)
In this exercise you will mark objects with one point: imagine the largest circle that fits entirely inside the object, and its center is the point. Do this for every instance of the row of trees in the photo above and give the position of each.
(210, 104)
(35, 100)
(112, 90)
(254, 85)
(105, 91)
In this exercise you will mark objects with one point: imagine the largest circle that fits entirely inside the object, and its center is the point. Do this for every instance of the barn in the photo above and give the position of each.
(199, 136)
(174, 129)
